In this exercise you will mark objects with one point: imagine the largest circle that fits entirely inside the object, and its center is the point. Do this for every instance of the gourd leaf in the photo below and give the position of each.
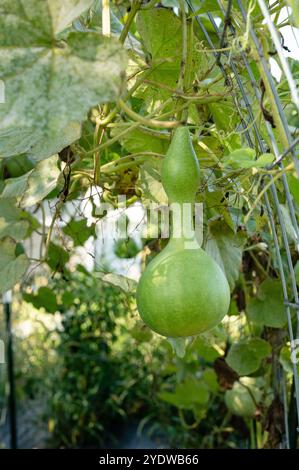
(160, 33)
(225, 247)
(226, 117)
(204, 6)
(204, 349)
(137, 141)
(15, 187)
(188, 393)
(245, 158)
(51, 81)
(12, 267)
(35, 185)
(57, 257)
(210, 378)
(45, 298)
(124, 283)
(13, 221)
(267, 309)
(41, 181)
(246, 356)
(79, 231)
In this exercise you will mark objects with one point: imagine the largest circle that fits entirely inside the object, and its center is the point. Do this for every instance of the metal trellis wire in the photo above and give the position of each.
(230, 68)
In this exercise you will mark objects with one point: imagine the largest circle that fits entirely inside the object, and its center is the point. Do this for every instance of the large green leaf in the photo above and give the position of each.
(51, 84)
(205, 349)
(79, 231)
(268, 308)
(246, 356)
(160, 31)
(37, 20)
(204, 6)
(41, 180)
(225, 116)
(245, 158)
(45, 298)
(57, 257)
(124, 283)
(35, 185)
(225, 247)
(187, 394)
(139, 141)
(15, 187)
(13, 221)
(12, 267)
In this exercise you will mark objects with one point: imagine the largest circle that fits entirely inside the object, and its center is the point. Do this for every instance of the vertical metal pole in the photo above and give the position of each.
(7, 298)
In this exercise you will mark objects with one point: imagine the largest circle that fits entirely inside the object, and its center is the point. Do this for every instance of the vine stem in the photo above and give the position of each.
(200, 99)
(258, 264)
(143, 120)
(121, 134)
(185, 424)
(97, 157)
(49, 234)
(120, 165)
(127, 161)
(252, 434)
(106, 28)
(108, 118)
(113, 140)
(125, 31)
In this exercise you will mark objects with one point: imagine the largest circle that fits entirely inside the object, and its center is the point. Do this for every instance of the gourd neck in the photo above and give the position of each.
(180, 178)
(182, 232)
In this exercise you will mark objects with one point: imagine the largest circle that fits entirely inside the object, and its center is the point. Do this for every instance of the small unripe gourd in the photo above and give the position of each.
(242, 400)
(183, 291)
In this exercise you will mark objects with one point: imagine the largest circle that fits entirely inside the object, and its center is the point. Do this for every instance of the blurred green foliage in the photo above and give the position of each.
(102, 370)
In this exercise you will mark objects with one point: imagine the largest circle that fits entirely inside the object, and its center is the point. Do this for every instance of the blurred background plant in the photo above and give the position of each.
(103, 375)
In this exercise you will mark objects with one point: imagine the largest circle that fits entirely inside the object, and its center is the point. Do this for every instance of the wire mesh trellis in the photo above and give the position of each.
(230, 70)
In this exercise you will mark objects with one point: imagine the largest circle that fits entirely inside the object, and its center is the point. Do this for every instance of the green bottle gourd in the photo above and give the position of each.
(182, 292)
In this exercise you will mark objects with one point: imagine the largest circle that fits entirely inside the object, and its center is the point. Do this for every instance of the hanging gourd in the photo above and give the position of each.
(183, 291)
